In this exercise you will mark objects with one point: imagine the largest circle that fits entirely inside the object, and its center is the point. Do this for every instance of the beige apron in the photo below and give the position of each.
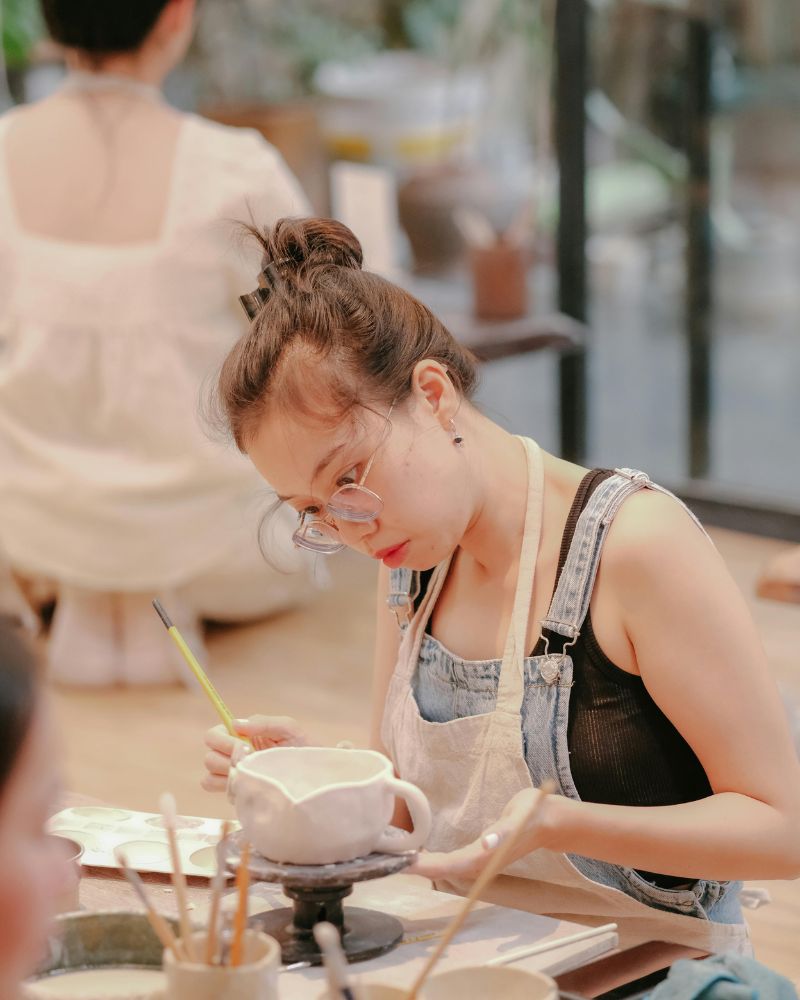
(470, 767)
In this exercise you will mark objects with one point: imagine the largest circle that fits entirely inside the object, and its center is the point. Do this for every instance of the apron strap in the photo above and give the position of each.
(511, 685)
(574, 591)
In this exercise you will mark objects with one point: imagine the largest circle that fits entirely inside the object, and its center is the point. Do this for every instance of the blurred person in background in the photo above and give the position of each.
(33, 870)
(118, 298)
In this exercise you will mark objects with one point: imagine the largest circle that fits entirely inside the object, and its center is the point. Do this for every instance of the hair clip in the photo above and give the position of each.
(267, 280)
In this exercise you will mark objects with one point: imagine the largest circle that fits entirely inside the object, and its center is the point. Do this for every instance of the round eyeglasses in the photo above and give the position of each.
(352, 502)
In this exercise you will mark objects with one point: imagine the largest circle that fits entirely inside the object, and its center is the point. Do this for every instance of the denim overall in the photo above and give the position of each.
(471, 734)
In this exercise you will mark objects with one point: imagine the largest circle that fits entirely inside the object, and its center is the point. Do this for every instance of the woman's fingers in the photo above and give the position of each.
(470, 860)
(259, 731)
(467, 862)
(220, 740)
(217, 763)
(214, 783)
(265, 731)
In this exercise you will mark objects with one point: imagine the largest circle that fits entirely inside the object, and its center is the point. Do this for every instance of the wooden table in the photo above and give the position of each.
(587, 968)
(423, 911)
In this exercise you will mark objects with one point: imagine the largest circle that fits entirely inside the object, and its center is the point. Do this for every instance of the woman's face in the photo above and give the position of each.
(421, 476)
(32, 869)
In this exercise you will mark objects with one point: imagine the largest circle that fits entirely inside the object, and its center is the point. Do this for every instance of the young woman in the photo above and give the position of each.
(32, 869)
(118, 284)
(554, 622)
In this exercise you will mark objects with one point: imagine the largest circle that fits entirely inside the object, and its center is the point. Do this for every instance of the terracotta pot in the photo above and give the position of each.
(426, 202)
(500, 280)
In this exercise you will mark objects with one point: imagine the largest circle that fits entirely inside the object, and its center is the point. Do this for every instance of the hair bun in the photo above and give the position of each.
(305, 244)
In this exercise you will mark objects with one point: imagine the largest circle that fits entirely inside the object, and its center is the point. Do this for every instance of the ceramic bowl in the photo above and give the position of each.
(483, 982)
(92, 943)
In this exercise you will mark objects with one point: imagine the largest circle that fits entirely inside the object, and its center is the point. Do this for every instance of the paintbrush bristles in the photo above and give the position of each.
(162, 614)
(168, 808)
(329, 943)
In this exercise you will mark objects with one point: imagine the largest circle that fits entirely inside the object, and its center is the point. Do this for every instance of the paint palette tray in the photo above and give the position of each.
(102, 829)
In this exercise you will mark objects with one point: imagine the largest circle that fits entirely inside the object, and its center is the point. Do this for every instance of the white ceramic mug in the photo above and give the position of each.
(255, 979)
(68, 898)
(485, 982)
(321, 805)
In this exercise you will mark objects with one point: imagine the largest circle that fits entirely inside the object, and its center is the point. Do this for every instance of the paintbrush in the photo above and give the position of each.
(328, 942)
(240, 920)
(498, 861)
(474, 227)
(225, 935)
(170, 813)
(221, 708)
(157, 922)
(217, 885)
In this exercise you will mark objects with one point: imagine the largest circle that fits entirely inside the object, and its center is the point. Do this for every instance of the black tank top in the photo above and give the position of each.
(623, 750)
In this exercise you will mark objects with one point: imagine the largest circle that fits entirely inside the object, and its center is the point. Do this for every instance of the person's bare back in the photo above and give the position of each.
(93, 165)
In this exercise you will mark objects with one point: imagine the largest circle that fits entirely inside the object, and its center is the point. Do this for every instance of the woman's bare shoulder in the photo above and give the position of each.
(654, 535)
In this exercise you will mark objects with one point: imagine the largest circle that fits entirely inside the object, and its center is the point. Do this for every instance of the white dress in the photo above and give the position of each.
(109, 478)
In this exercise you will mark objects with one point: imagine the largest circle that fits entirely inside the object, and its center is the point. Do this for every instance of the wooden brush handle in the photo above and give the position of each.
(243, 885)
(216, 890)
(165, 935)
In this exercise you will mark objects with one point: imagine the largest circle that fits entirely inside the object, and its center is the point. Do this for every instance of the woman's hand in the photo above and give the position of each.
(263, 732)
(468, 862)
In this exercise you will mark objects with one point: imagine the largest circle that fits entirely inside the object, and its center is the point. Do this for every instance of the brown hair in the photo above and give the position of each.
(329, 332)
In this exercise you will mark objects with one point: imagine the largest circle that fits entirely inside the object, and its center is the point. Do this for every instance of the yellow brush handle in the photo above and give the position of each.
(205, 683)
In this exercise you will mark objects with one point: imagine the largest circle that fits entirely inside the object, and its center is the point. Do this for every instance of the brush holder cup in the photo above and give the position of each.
(321, 806)
(256, 978)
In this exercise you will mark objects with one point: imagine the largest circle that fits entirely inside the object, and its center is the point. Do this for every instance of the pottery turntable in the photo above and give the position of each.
(318, 893)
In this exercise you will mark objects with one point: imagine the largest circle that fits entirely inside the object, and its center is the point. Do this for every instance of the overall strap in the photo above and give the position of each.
(574, 591)
(403, 591)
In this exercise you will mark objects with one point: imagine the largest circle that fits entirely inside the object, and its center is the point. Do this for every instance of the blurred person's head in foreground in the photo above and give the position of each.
(32, 868)
(146, 38)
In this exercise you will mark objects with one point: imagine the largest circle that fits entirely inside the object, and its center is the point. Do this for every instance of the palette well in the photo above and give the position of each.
(102, 830)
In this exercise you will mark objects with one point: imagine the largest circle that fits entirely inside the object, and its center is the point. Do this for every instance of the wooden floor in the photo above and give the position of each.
(127, 746)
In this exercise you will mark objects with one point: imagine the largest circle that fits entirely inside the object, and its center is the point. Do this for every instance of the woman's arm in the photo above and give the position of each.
(697, 651)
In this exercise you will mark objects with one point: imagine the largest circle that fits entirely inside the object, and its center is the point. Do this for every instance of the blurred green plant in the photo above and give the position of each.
(254, 50)
(247, 50)
(461, 30)
(22, 28)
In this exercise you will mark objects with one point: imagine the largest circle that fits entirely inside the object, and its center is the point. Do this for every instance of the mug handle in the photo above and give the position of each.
(394, 841)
